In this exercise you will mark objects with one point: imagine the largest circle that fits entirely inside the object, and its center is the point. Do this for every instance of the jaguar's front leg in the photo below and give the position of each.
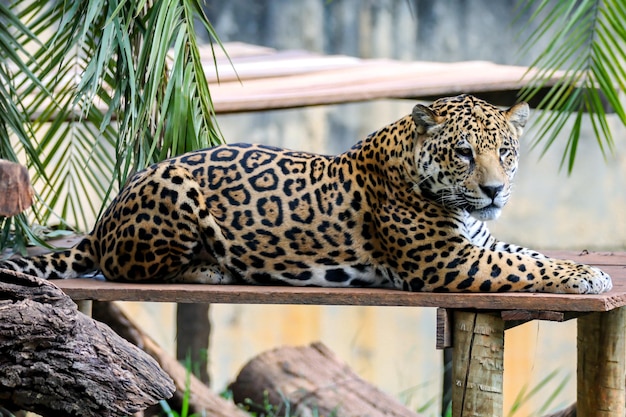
(466, 267)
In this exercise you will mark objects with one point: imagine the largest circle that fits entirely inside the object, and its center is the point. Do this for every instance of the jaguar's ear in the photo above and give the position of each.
(425, 119)
(518, 116)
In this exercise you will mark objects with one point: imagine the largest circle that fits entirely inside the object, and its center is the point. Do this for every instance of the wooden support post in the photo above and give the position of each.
(193, 329)
(478, 365)
(601, 364)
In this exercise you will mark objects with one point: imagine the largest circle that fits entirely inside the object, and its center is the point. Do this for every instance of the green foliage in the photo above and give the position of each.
(184, 411)
(586, 42)
(526, 394)
(94, 90)
(267, 409)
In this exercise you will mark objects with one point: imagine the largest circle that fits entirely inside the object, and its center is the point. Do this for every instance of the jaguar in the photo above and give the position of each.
(404, 208)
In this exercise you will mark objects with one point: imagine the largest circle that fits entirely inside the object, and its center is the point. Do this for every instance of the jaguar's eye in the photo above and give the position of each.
(464, 152)
(504, 152)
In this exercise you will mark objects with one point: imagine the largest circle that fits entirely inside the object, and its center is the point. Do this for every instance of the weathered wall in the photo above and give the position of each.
(435, 30)
(394, 347)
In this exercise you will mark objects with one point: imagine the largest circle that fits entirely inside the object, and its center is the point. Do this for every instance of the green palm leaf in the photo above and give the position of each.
(110, 87)
(586, 40)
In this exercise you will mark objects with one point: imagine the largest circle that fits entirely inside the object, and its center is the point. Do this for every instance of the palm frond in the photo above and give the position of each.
(586, 41)
(110, 87)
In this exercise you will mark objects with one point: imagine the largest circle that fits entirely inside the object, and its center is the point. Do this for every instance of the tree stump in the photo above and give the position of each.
(311, 380)
(15, 191)
(56, 361)
(202, 400)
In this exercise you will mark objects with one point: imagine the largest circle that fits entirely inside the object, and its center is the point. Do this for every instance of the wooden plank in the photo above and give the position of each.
(527, 315)
(371, 80)
(278, 65)
(512, 318)
(592, 258)
(601, 364)
(613, 263)
(477, 365)
(80, 289)
(345, 72)
(266, 79)
(234, 50)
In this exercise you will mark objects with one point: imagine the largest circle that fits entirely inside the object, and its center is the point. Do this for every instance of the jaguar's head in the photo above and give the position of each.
(467, 153)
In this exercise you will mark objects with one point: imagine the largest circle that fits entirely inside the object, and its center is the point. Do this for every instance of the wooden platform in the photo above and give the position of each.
(472, 325)
(258, 78)
(613, 263)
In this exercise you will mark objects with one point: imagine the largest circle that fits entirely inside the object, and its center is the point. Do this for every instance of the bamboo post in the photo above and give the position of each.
(478, 365)
(601, 364)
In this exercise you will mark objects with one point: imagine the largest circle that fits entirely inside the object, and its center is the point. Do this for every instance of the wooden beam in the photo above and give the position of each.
(601, 364)
(478, 365)
(512, 318)
(85, 289)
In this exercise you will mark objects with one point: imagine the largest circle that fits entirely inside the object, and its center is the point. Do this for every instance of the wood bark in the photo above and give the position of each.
(478, 359)
(311, 380)
(56, 361)
(601, 364)
(202, 399)
(15, 191)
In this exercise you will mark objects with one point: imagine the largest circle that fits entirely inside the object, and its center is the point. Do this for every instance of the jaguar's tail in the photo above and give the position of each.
(69, 263)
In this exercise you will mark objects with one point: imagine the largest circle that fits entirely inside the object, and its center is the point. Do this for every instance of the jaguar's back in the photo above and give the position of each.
(404, 208)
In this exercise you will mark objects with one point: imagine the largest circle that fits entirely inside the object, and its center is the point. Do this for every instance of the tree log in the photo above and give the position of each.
(202, 399)
(56, 361)
(311, 379)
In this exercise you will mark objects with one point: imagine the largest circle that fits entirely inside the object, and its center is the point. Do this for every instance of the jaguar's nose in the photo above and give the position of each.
(491, 191)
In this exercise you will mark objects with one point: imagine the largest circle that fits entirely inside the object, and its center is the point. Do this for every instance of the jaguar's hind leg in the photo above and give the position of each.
(203, 273)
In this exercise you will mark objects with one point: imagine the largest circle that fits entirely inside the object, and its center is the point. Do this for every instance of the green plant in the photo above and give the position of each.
(267, 409)
(527, 394)
(585, 41)
(283, 409)
(184, 411)
(93, 90)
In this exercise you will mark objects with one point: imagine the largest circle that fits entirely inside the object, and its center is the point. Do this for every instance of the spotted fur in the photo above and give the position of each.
(404, 208)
